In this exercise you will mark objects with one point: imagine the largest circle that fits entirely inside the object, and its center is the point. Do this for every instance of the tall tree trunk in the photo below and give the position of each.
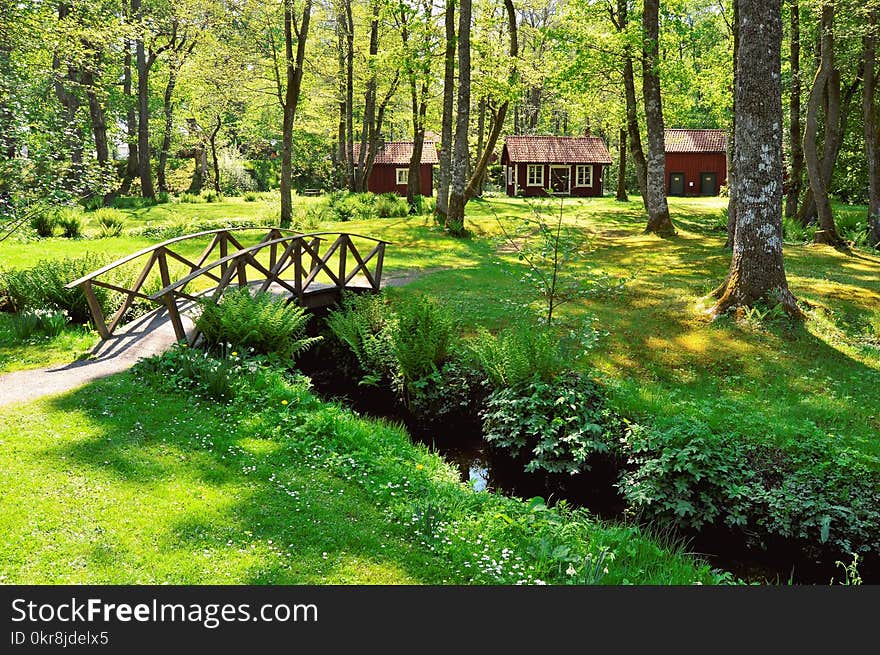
(341, 134)
(293, 77)
(64, 83)
(872, 135)
(634, 135)
(827, 79)
(445, 168)
(419, 106)
(621, 166)
(368, 129)
(349, 94)
(143, 104)
(475, 183)
(168, 110)
(460, 153)
(658, 211)
(212, 140)
(131, 168)
(757, 271)
(732, 187)
(97, 116)
(796, 174)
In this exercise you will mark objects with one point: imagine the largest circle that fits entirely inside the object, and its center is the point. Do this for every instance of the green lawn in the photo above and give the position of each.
(101, 486)
(122, 483)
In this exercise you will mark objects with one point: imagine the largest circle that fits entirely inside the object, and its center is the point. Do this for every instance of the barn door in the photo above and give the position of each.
(676, 184)
(708, 184)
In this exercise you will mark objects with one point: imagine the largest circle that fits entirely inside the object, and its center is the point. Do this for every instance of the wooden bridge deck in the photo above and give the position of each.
(285, 262)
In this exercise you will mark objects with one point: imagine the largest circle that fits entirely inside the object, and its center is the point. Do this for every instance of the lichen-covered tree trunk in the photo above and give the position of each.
(444, 174)
(827, 80)
(658, 211)
(872, 137)
(460, 154)
(621, 166)
(796, 174)
(757, 271)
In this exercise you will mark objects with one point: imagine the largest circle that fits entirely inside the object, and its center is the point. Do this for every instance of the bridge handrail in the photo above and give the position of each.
(182, 282)
(164, 244)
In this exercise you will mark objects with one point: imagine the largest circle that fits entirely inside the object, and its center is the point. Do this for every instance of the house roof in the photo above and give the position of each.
(400, 152)
(695, 140)
(553, 149)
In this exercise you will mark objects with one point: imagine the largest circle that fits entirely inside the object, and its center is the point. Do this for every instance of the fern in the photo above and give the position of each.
(262, 323)
(422, 338)
(363, 325)
(517, 355)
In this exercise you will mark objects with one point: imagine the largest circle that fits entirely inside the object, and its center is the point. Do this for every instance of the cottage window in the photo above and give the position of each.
(511, 175)
(584, 175)
(535, 175)
(403, 176)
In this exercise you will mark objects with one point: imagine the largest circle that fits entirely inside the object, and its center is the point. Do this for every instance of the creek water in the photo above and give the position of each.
(486, 469)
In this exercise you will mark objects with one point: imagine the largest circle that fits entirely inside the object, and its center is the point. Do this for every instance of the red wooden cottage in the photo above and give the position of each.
(569, 165)
(390, 172)
(696, 162)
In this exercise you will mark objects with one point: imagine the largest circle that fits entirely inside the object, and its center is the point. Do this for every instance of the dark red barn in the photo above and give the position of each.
(569, 165)
(696, 162)
(391, 167)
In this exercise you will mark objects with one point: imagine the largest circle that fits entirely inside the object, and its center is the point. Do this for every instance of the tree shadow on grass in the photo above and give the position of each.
(242, 510)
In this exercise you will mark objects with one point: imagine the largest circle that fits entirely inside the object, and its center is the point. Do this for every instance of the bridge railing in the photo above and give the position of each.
(291, 260)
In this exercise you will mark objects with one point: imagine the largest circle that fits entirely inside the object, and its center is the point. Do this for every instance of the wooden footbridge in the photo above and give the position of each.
(310, 269)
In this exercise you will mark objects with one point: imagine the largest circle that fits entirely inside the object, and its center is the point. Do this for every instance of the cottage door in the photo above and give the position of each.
(560, 179)
(708, 184)
(676, 184)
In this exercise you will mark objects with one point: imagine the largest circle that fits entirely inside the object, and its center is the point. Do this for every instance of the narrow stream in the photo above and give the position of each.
(486, 469)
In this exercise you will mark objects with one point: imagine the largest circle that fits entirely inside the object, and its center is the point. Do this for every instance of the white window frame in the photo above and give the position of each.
(534, 167)
(397, 174)
(511, 175)
(577, 175)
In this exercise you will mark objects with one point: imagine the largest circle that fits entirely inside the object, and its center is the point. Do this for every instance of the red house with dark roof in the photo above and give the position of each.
(696, 162)
(569, 165)
(390, 172)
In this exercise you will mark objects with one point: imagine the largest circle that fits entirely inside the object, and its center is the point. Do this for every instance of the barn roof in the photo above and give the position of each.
(553, 149)
(695, 140)
(400, 152)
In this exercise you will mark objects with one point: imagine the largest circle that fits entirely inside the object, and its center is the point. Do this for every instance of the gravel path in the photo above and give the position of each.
(149, 335)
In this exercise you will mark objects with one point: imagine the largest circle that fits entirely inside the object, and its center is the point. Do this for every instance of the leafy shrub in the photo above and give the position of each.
(110, 222)
(422, 336)
(518, 354)
(25, 324)
(186, 368)
(251, 196)
(71, 224)
(263, 323)
(234, 175)
(363, 326)
(43, 286)
(808, 492)
(212, 196)
(132, 202)
(451, 395)
(190, 198)
(794, 232)
(391, 205)
(43, 222)
(93, 203)
(556, 426)
(163, 197)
